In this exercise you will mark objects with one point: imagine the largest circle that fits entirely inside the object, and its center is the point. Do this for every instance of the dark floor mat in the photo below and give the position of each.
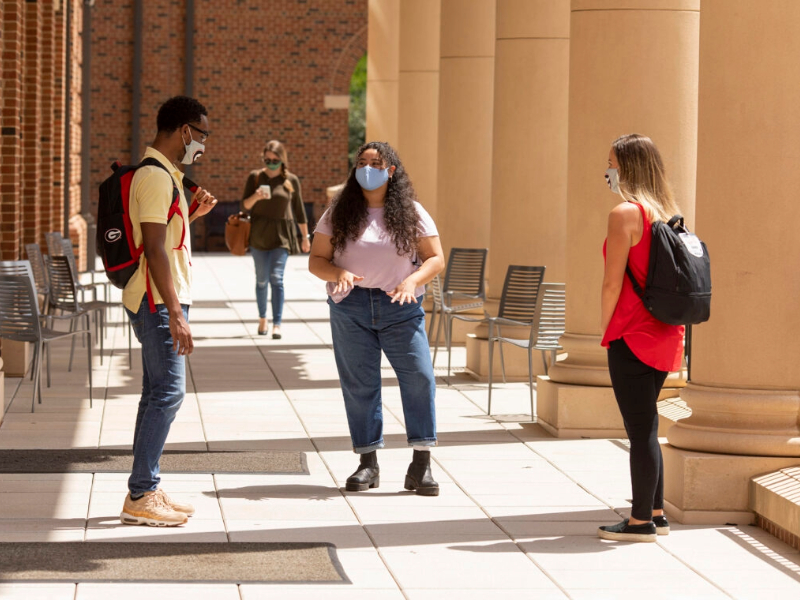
(233, 562)
(93, 460)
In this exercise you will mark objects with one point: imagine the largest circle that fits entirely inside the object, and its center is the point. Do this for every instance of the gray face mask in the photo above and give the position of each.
(612, 179)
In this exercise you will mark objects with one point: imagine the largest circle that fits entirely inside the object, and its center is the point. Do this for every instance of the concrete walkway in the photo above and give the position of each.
(516, 517)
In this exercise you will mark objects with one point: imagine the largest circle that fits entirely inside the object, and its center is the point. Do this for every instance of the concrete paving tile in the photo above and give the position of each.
(593, 514)
(651, 593)
(481, 594)
(37, 591)
(623, 577)
(157, 591)
(590, 552)
(375, 514)
(343, 534)
(755, 579)
(470, 567)
(109, 528)
(328, 592)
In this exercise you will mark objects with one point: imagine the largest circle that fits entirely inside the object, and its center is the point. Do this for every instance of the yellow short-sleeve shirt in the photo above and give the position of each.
(150, 199)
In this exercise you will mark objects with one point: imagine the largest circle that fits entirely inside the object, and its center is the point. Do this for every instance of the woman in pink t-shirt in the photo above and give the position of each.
(641, 349)
(376, 248)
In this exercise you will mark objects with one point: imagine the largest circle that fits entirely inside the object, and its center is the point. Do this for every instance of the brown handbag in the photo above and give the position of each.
(237, 233)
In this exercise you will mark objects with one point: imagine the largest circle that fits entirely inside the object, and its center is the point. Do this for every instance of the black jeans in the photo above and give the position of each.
(636, 387)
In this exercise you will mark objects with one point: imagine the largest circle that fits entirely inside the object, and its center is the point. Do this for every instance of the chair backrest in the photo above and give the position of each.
(34, 253)
(436, 290)
(62, 284)
(465, 271)
(68, 251)
(54, 243)
(551, 316)
(521, 293)
(19, 304)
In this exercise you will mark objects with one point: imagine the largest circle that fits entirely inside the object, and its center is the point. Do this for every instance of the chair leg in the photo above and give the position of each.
(37, 357)
(101, 316)
(530, 382)
(47, 355)
(544, 361)
(448, 335)
(491, 369)
(433, 320)
(72, 343)
(502, 362)
(438, 335)
(35, 349)
(130, 344)
(89, 346)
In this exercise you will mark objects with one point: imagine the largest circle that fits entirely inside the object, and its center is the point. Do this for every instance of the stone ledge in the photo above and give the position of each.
(706, 488)
(775, 498)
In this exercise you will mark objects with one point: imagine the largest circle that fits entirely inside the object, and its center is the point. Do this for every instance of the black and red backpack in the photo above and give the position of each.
(114, 230)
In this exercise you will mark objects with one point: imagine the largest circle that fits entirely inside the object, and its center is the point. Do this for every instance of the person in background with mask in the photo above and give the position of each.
(376, 247)
(157, 300)
(272, 196)
(641, 349)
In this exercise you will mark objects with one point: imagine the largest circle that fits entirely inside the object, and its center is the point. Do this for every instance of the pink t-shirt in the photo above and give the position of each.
(373, 255)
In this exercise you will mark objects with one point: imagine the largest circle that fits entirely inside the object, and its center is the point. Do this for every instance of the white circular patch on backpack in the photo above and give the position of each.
(113, 235)
(692, 243)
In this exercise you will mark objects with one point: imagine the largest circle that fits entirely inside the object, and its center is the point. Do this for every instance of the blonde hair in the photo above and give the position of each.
(276, 147)
(642, 178)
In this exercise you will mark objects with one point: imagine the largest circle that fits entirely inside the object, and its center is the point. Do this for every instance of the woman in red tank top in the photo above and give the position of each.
(641, 349)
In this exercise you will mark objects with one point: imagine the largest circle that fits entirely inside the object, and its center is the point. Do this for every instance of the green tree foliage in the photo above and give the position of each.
(357, 117)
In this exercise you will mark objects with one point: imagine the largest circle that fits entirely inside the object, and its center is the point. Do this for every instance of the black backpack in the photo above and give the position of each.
(678, 285)
(114, 242)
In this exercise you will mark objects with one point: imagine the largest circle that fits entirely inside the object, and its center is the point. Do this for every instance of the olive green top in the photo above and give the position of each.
(272, 221)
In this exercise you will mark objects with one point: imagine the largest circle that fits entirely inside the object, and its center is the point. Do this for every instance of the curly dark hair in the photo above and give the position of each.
(178, 111)
(349, 208)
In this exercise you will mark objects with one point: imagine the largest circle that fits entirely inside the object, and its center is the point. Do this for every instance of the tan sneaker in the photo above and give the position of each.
(186, 509)
(150, 510)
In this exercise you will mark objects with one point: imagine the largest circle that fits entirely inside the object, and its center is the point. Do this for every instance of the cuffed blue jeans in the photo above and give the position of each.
(363, 324)
(163, 389)
(270, 265)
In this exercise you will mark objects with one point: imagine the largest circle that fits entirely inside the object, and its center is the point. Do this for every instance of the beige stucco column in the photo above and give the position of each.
(529, 156)
(383, 69)
(745, 379)
(633, 68)
(465, 122)
(418, 96)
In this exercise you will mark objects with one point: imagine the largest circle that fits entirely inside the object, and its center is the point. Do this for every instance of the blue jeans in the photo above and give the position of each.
(363, 324)
(163, 388)
(270, 265)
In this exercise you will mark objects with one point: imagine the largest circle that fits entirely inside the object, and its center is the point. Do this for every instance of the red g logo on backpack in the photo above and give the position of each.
(113, 235)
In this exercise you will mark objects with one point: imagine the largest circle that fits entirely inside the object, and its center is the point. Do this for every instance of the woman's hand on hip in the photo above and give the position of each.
(345, 281)
(404, 293)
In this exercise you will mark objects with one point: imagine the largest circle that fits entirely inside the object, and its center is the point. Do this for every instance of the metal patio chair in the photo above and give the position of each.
(20, 320)
(546, 327)
(34, 254)
(464, 289)
(64, 297)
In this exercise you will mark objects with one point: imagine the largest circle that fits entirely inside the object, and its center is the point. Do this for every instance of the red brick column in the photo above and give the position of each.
(59, 105)
(77, 224)
(11, 128)
(31, 122)
(48, 195)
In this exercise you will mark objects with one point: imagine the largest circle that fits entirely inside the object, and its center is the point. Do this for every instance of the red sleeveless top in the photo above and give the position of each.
(655, 343)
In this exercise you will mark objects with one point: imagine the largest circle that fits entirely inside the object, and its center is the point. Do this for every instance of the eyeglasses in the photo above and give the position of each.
(205, 133)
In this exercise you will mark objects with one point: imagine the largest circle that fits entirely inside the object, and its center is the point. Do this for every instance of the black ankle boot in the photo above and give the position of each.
(419, 476)
(368, 474)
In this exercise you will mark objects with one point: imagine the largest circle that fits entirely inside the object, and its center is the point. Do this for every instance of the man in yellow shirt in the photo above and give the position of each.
(157, 300)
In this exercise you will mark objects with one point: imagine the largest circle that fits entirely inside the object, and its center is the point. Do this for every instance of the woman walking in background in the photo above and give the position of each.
(272, 196)
(641, 349)
(376, 248)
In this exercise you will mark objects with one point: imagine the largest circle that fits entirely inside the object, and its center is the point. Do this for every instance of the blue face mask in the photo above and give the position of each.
(371, 178)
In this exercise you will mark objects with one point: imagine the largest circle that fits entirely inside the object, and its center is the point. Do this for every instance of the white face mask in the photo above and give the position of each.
(612, 179)
(194, 150)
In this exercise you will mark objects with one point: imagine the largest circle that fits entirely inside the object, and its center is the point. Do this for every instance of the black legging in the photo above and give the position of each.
(636, 387)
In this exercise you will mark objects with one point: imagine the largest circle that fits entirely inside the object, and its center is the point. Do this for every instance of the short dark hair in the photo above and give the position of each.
(177, 111)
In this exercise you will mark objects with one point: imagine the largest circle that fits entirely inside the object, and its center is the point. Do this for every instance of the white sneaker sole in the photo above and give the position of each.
(131, 520)
(662, 530)
(627, 537)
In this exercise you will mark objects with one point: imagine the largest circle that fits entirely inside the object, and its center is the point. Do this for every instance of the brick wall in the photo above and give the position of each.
(261, 67)
(11, 22)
